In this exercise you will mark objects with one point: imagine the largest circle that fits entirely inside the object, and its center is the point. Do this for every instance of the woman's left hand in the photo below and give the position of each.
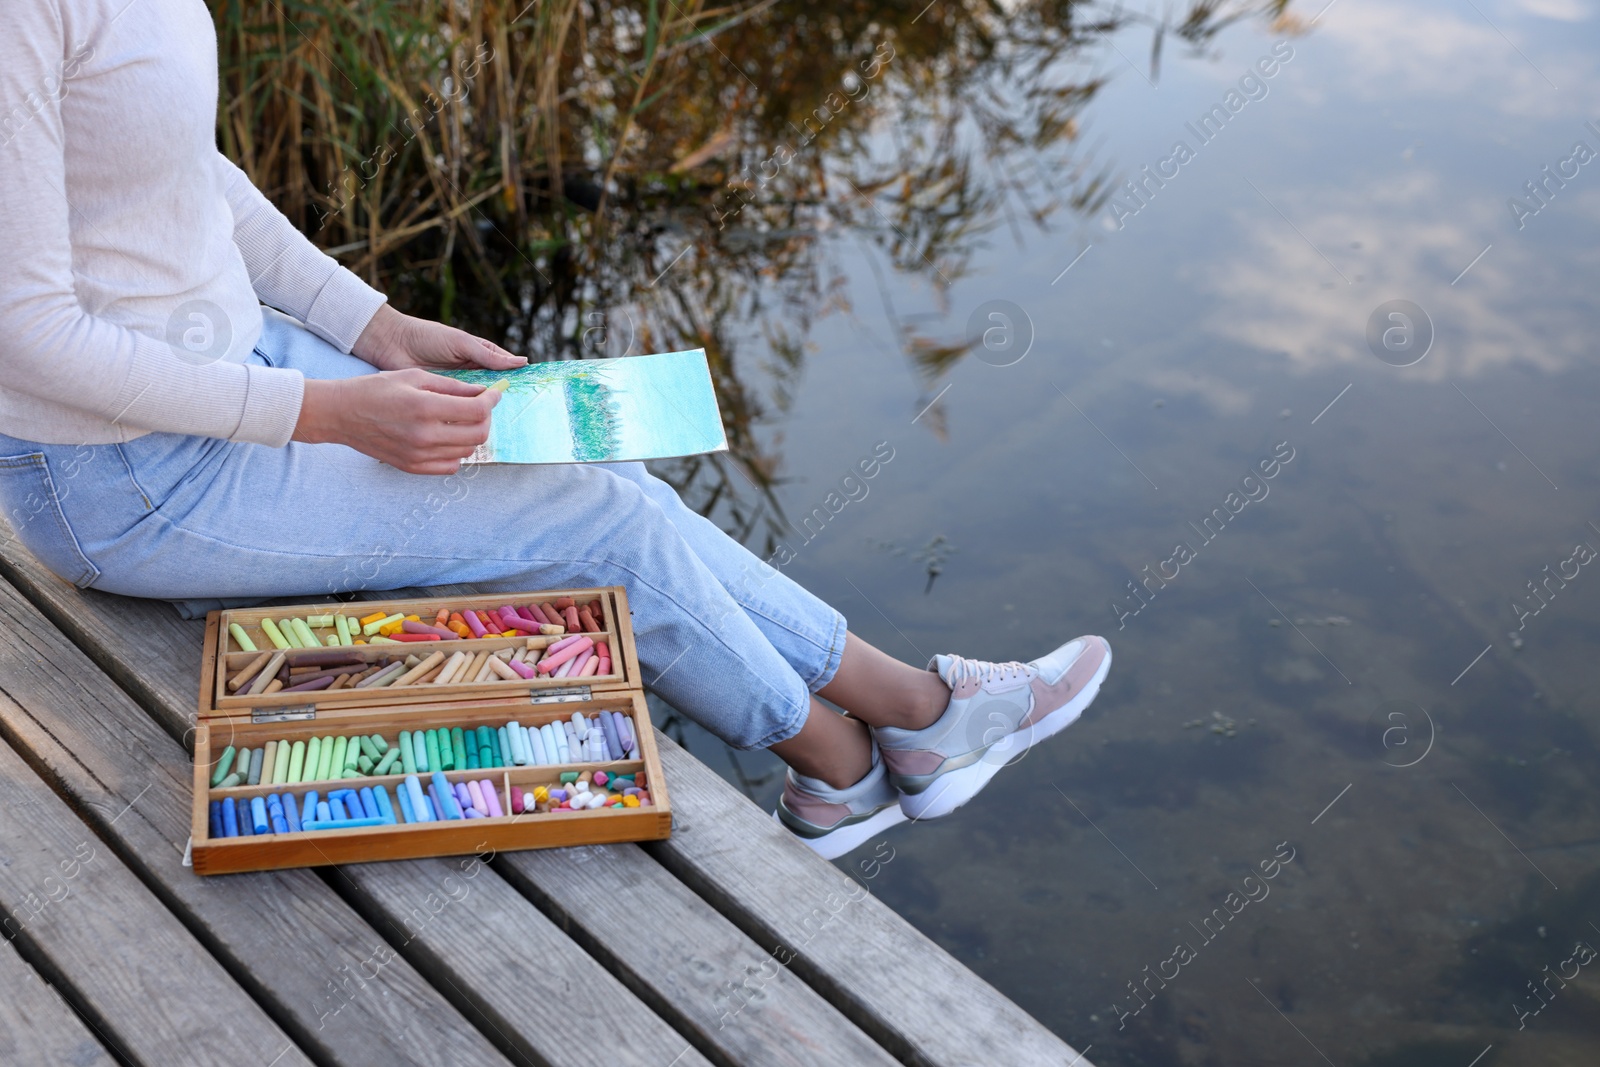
(395, 341)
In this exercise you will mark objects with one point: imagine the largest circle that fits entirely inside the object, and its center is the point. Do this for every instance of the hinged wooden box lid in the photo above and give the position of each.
(294, 669)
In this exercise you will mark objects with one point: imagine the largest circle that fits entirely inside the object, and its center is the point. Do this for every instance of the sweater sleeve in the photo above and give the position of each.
(291, 273)
(53, 349)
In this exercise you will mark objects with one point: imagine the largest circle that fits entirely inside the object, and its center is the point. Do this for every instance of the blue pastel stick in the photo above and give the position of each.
(447, 796)
(536, 746)
(309, 810)
(215, 827)
(380, 796)
(419, 800)
(336, 808)
(342, 824)
(324, 813)
(258, 816)
(280, 824)
(404, 796)
(613, 740)
(434, 807)
(369, 803)
(291, 813)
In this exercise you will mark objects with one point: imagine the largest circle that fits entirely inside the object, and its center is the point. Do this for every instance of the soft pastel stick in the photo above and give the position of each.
(613, 739)
(342, 824)
(522, 668)
(291, 814)
(437, 805)
(536, 743)
(435, 757)
(375, 625)
(241, 638)
(385, 809)
(463, 796)
(274, 635)
(419, 802)
(579, 660)
(369, 803)
(230, 817)
(475, 796)
(458, 745)
(491, 798)
(428, 628)
(336, 808)
(565, 669)
(419, 750)
(258, 761)
(551, 662)
(471, 619)
(303, 632)
(408, 753)
(258, 816)
(557, 646)
(308, 809)
(514, 621)
(295, 772)
(214, 822)
(223, 766)
(515, 737)
(325, 766)
(341, 629)
(403, 795)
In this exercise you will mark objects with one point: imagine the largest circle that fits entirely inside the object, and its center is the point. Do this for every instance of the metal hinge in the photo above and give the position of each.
(561, 695)
(289, 714)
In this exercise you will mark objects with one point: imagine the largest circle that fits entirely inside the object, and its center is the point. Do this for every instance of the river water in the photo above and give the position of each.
(1295, 423)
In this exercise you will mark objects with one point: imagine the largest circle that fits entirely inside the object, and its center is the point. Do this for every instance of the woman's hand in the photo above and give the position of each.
(415, 420)
(395, 341)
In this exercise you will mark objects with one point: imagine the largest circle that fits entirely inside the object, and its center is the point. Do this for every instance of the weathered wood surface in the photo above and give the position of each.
(910, 995)
(320, 969)
(703, 974)
(151, 991)
(36, 1026)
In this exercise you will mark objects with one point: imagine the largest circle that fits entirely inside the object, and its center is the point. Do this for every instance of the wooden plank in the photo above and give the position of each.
(144, 982)
(493, 968)
(37, 1027)
(333, 983)
(906, 992)
(738, 1002)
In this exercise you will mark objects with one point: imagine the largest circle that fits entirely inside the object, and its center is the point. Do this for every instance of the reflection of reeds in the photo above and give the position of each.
(516, 167)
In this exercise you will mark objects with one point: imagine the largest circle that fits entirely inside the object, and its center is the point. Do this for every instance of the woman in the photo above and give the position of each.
(161, 435)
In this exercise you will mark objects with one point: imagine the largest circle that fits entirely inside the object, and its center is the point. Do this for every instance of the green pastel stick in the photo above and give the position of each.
(408, 763)
(386, 765)
(380, 744)
(229, 782)
(290, 634)
(419, 743)
(331, 641)
(325, 759)
(297, 764)
(367, 748)
(223, 766)
(472, 754)
(274, 634)
(336, 764)
(485, 758)
(364, 764)
(430, 741)
(241, 638)
(242, 767)
(495, 754)
(303, 632)
(258, 757)
(313, 757)
(280, 766)
(458, 744)
(341, 627)
(319, 622)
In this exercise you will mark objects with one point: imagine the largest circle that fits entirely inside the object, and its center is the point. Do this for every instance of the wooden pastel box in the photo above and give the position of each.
(363, 695)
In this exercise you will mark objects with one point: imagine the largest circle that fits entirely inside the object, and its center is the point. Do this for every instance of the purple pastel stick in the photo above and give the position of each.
(579, 660)
(434, 802)
(529, 614)
(565, 669)
(491, 798)
(522, 668)
(306, 687)
(471, 813)
(557, 646)
(463, 796)
(474, 624)
(514, 621)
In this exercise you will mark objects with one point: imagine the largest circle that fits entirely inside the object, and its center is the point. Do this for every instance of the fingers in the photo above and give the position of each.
(488, 354)
(440, 383)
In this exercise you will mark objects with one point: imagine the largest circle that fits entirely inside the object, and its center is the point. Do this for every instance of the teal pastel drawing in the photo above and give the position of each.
(602, 410)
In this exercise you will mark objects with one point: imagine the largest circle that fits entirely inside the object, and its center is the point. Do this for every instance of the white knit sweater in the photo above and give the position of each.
(134, 258)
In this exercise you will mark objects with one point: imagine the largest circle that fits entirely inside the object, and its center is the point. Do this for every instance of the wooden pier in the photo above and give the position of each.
(664, 955)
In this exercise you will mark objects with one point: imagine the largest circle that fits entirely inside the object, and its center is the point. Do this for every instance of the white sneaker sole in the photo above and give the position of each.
(952, 790)
(832, 845)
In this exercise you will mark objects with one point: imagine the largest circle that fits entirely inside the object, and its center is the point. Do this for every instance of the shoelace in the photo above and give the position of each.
(961, 669)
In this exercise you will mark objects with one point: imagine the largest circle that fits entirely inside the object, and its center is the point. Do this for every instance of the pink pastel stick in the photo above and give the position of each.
(605, 665)
(475, 791)
(527, 613)
(514, 621)
(522, 669)
(491, 798)
(425, 628)
(473, 624)
(566, 653)
(557, 646)
(578, 661)
(565, 669)
(590, 666)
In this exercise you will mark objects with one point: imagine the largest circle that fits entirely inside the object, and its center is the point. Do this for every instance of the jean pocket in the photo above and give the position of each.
(33, 508)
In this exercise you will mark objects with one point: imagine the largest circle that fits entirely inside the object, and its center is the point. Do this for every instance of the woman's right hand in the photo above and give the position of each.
(414, 420)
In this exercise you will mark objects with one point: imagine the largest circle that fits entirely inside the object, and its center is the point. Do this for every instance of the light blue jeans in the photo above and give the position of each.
(729, 641)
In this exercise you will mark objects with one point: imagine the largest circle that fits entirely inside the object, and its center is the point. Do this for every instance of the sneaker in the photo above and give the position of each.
(833, 821)
(997, 711)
